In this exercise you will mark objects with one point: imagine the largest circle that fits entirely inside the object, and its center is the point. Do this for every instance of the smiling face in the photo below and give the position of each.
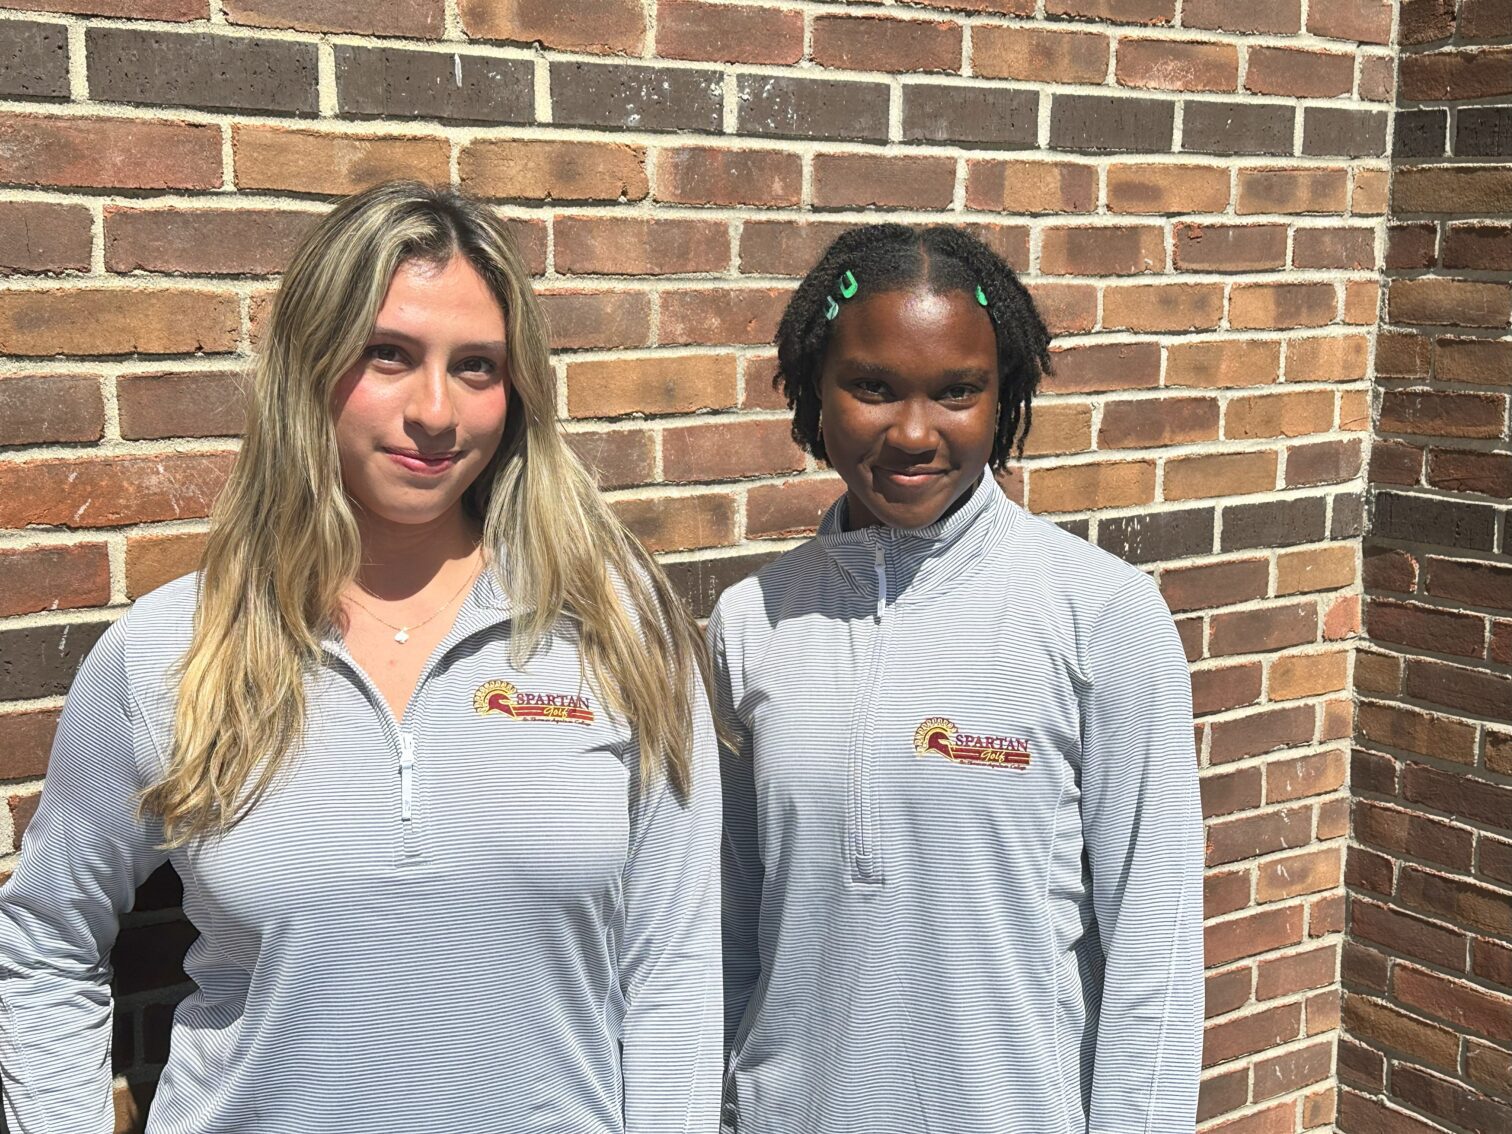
(909, 389)
(421, 412)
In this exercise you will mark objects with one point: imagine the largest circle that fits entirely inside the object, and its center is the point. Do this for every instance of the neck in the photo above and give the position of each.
(400, 560)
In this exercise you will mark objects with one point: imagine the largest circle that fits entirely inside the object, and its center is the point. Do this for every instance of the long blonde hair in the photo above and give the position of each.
(284, 542)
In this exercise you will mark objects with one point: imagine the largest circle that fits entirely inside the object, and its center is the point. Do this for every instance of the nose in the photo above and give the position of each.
(912, 429)
(430, 406)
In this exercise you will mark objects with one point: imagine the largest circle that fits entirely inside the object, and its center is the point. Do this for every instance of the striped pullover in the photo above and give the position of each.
(465, 921)
(963, 846)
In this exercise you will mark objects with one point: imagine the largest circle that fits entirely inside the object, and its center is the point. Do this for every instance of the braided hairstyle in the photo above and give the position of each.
(890, 257)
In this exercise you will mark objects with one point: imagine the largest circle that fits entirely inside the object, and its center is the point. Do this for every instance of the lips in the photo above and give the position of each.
(426, 464)
(909, 477)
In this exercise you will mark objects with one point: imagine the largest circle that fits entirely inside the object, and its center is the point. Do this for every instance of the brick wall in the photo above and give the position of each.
(1197, 198)
(1428, 970)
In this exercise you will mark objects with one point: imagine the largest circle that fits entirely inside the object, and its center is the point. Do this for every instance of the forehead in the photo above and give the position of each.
(913, 331)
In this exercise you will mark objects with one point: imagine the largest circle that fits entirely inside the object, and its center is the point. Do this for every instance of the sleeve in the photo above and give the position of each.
(1142, 826)
(82, 858)
(669, 955)
(741, 852)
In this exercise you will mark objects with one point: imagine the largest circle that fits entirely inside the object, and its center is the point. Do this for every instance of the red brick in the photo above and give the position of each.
(109, 153)
(1298, 73)
(1456, 1002)
(1246, 1035)
(39, 236)
(313, 161)
(1346, 249)
(1222, 363)
(597, 319)
(1264, 630)
(1067, 309)
(1403, 932)
(1296, 972)
(176, 10)
(1489, 1067)
(728, 33)
(1399, 726)
(548, 170)
(1163, 307)
(1368, 198)
(1323, 462)
(1425, 628)
(660, 384)
(1060, 427)
(1443, 414)
(1167, 188)
(1219, 474)
(1449, 1100)
(729, 450)
(1149, 423)
(883, 182)
(116, 320)
(707, 175)
(1228, 248)
(1449, 302)
(1367, 21)
(418, 19)
(720, 316)
(1475, 584)
(1310, 190)
(1261, 731)
(679, 523)
(792, 508)
(1115, 11)
(1308, 675)
(1275, 16)
(618, 458)
(612, 245)
(881, 43)
(25, 740)
(202, 241)
(100, 492)
(1231, 840)
(602, 26)
(1298, 777)
(1102, 251)
(1387, 1026)
(1457, 74)
(1177, 65)
(1226, 793)
(1103, 366)
(1027, 187)
(1039, 54)
(1214, 584)
(1290, 1072)
(155, 559)
(1296, 874)
(53, 577)
(47, 408)
(1223, 688)
(1225, 891)
(1282, 305)
(785, 248)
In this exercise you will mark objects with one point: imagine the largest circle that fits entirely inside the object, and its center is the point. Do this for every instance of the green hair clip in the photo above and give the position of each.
(848, 284)
(981, 296)
(831, 308)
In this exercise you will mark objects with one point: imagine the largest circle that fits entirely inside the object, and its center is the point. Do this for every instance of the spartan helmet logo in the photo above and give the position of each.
(936, 735)
(494, 697)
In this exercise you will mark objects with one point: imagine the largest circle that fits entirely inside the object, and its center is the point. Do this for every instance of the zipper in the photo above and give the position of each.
(865, 866)
(406, 775)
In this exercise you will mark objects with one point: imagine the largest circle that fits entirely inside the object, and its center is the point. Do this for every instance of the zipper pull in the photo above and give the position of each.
(406, 775)
(880, 564)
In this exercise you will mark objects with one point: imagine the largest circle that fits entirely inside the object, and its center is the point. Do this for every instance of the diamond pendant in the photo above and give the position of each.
(402, 637)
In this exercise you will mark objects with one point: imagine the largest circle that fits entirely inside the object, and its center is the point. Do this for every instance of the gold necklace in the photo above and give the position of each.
(401, 633)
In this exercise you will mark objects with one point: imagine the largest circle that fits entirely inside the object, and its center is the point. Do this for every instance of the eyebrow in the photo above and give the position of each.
(485, 345)
(877, 370)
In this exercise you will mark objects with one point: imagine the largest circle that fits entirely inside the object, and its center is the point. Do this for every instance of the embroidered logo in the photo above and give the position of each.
(940, 737)
(502, 697)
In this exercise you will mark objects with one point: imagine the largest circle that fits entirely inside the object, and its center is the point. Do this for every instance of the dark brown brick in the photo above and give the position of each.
(213, 72)
(1094, 123)
(1483, 131)
(1475, 584)
(1366, 21)
(970, 115)
(1322, 462)
(1224, 794)
(1459, 74)
(1425, 520)
(1237, 128)
(728, 33)
(1334, 132)
(1441, 413)
(700, 582)
(1481, 362)
(634, 97)
(1421, 133)
(48, 408)
(1156, 536)
(1274, 523)
(1226, 687)
(1485, 19)
(34, 60)
(210, 404)
(39, 661)
(1449, 1099)
(1477, 244)
(38, 236)
(782, 106)
(389, 82)
(199, 242)
(1404, 833)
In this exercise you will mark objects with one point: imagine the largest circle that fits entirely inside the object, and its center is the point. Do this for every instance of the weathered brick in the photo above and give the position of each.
(1273, 16)
(1483, 190)
(1060, 427)
(618, 458)
(597, 319)
(1316, 773)
(109, 153)
(1115, 11)
(706, 175)
(1480, 362)
(1306, 873)
(1163, 307)
(1299, 73)
(853, 181)
(1246, 1035)
(719, 316)
(1167, 189)
(1026, 187)
(105, 321)
(1406, 833)
(1483, 131)
(1273, 523)
(1102, 251)
(313, 161)
(1266, 629)
(197, 241)
(660, 384)
(48, 577)
(1316, 569)
(1284, 1074)
(389, 82)
(679, 523)
(34, 61)
(198, 69)
(25, 740)
(1337, 132)
(792, 107)
(973, 115)
(1461, 796)
(1224, 794)
(1441, 413)
(1222, 363)
(613, 245)
(1262, 731)
(1223, 688)
(882, 43)
(1323, 462)
(1454, 302)
(1469, 582)
(1449, 1100)
(631, 96)
(110, 491)
(729, 450)
(1228, 248)
(1214, 584)
(1454, 1001)
(1478, 245)
(177, 10)
(601, 26)
(207, 404)
(40, 661)
(1082, 487)
(1258, 932)
(1219, 474)
(417, 19)
(1156, 536)
(1271, 190)
(1237, 128)
(1177, 65)
(1366, 21)
(1094, 123)
(1348, 249)
(155, 559)
(1291, 413)
(792, 508)
(1166, 421)
(1307, 675)
(785, 248)
(1039, 54)
(1103, 366)
(1457, 74)
(525, 169)
(728, 33)
(39, 236)
(48, 408)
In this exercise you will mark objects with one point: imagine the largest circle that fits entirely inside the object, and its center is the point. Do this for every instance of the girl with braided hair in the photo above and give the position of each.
(963, 846)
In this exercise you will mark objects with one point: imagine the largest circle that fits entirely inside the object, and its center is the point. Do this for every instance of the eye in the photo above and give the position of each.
(476, 366)
(960, 392)
(385, 352)
(870, 388)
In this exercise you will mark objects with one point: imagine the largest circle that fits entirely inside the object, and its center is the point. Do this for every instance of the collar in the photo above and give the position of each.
(487, 604)
(920, 561)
